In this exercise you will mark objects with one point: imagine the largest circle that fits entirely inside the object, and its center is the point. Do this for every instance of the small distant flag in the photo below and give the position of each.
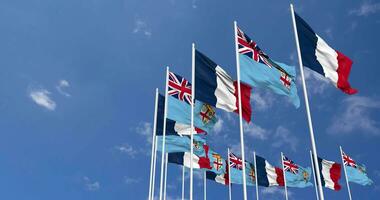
(219, 178)
(296, 176)
(215, 87)
(331, 173)
(183, 158)
(320, 57)
(356, 173)
(236, 171)
(268, 175)
(258, 70)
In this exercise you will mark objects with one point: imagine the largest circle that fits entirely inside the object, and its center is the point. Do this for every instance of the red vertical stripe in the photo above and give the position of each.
(280, 176)
(245, 99)
(344, 68)
(335, 172)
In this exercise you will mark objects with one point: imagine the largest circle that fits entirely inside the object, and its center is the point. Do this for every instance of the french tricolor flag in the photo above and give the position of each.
(331, 173)
(320, 57)
(268, 175)
(184, 158)
(215, 87)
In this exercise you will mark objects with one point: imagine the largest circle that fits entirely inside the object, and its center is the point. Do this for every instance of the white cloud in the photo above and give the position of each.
(283, 137)
(194, 4)
(262, 100)
(218, 127)
(91, 185)
(141, 27)
(127, 149)
(145, 129)
(130, 180)
(355, 114)
(41, 97)
(274, 191)
(366, 8)
(316, 83)
(256, 131)
(62, 84)
(329, 33)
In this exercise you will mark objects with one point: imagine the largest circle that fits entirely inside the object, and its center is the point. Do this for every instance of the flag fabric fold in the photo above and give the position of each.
(258, 70)
(356, 172)
(331, 173)
(320, 57)
(215, 86)
(236, 171)
(295, 175)
(268, 175)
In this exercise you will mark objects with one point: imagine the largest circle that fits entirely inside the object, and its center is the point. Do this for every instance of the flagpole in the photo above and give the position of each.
(151, 184)
(164, 133)
(166, 174)
(240, 113)
(314, 148)
(315, 181)
(154, 168)
(283, 171)
(192, 117)
(183, 182)
(256, 180)
(345, 172)
(204, 186)
(229, 174)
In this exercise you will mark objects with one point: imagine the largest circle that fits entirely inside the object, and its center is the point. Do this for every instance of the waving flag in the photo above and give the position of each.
(236, 171)
(320, 57)
(175, 143)
(356, 173)
(179, 88)
(219, 178)
(215, 87)
(258, 70)
(296, 176)
(331, 173)
(267, 175)
(184, 158)
(172, 127)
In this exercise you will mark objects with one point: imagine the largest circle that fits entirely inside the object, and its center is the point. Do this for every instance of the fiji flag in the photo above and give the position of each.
(215, 87)
(179, 106)
(320, 57)
(236, 171)
(356, 173)
(258, 70)
(295, 175)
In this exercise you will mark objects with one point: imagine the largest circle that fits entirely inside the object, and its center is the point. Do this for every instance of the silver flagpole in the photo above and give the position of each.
(345, 172)
(283, 171)
(151, 184)
(183, 182)
(154, 168)
(164, 133)
(204, 186)
(229, 175)
(166, 174)
(192, 118)
(256, 179)
(314, 148)
(240, 113)
(315, 181)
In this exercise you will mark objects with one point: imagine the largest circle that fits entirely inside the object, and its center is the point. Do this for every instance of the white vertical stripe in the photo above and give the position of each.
(326, 166)
(186, 160)
(225, 98)
(328, 58)
(183, 129)
(271, 174)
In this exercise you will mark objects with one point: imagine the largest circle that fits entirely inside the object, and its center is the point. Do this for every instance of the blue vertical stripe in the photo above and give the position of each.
(320, 170)
(262, 178)
(308, 44)
(176, 158)
(205, 79)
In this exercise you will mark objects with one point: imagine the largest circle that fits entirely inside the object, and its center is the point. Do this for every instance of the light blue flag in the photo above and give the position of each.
(180, 111)
(300, 179)
(237, 175)
(260, 75)
(181, 144)
(358, 175)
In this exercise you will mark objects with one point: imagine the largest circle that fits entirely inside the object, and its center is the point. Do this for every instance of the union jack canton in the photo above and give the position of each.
(235, 162)
(289, 165)
(179, 88)
(348, 161)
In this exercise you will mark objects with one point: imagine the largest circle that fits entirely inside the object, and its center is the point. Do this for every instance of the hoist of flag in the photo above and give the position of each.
(289, 165)
(235, 162)
(348, 161)
(258, 70)
(179, 88)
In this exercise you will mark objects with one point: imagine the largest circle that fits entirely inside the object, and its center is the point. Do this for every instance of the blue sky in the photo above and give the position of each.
(77, 88)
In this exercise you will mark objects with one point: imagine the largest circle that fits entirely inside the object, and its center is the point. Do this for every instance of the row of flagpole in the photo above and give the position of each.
(313, 152)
